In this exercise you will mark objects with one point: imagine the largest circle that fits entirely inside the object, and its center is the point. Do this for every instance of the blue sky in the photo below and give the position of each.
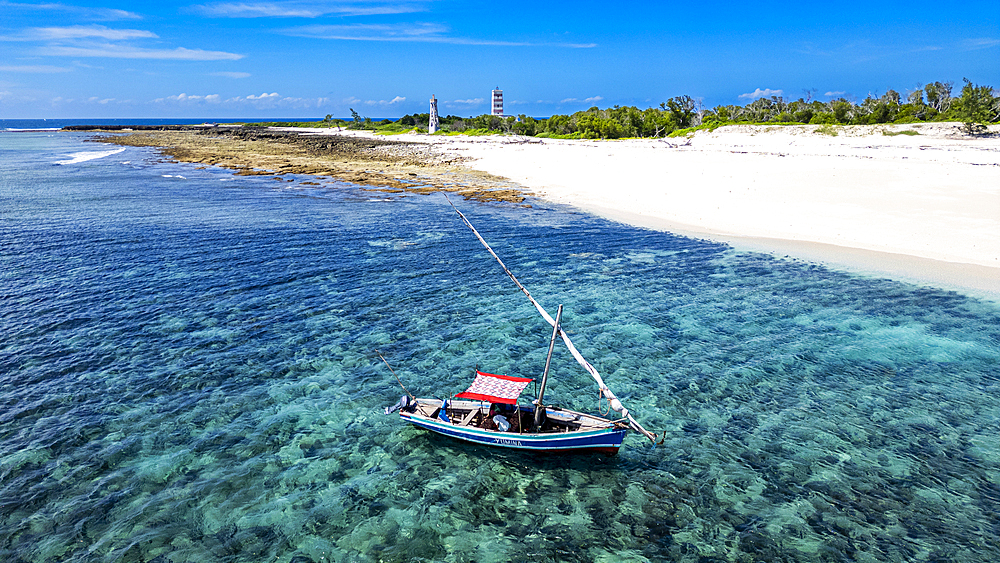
(385, 58)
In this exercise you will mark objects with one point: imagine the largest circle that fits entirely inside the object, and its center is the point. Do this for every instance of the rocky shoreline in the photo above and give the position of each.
(381, 164)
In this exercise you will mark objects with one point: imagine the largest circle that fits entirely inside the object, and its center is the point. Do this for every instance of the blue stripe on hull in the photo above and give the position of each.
(607, 439)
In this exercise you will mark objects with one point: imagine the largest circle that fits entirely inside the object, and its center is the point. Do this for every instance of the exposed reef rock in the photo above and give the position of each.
(385, 165)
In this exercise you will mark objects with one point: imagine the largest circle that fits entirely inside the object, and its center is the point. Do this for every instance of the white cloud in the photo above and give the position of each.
(300, 9)
(758, 93)
(302, 102)
(185, 98)
(259, 101)
(834, 93)
(981, 43)
(469, 102)
(106, 14)
(104, 42)
(264, 100)
(395, 100)
(370, 32)
(231, 74)
(34, 69)
(112, 51)
(590, 100)
(85, 32)
(408, 31)
(252, 10)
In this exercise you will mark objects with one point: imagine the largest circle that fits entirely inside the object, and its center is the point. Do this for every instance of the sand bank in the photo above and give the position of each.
(923, 207)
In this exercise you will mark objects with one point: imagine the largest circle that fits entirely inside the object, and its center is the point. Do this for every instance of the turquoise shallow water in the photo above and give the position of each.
(187, 373)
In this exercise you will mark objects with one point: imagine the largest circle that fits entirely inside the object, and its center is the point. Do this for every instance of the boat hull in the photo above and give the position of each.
(603, 440)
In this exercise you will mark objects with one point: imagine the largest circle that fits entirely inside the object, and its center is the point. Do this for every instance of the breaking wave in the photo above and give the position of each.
(79, 157)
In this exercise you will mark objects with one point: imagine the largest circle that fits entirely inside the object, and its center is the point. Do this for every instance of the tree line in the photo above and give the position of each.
(975, 106)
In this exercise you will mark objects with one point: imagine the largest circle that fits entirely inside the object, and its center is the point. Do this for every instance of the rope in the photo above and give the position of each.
(599, 409)
(396, 376)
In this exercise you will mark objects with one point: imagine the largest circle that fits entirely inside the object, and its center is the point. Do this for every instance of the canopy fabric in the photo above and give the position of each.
(495, 388)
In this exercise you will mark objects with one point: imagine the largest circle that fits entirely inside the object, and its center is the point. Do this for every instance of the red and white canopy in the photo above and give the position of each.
(495, 388)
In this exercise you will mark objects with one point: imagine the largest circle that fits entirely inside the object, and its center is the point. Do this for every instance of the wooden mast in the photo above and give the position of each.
(539, 407)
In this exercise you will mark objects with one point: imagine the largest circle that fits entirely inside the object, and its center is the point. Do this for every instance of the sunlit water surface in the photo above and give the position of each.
(189, 373)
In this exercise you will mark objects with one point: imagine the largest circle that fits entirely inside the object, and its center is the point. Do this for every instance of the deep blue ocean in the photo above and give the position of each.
(188, 373)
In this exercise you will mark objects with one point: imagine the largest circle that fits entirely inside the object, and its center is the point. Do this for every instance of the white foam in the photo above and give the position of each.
(79, 157)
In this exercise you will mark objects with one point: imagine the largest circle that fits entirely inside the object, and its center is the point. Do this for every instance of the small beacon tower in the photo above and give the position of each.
(498, 102)
(433, 123)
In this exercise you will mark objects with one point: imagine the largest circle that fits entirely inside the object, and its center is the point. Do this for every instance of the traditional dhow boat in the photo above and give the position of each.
(488, 411)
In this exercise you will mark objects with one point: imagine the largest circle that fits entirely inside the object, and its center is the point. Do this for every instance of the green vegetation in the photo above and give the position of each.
(977, 107)
(827, 129)
(327, 121)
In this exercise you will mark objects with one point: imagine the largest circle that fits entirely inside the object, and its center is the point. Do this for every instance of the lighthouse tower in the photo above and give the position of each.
(498, 101)
(432, 125)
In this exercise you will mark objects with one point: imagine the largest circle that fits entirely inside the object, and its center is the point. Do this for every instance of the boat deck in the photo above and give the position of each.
(521, 417)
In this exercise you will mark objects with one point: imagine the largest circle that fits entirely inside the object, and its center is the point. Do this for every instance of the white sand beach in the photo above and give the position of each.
(922, 208)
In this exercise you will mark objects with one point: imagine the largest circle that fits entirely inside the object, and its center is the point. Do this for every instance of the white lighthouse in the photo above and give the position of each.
(432, 124)
(498, 101)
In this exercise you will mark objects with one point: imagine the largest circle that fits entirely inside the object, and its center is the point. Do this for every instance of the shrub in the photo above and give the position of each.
(823, 119)
(974, 107)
